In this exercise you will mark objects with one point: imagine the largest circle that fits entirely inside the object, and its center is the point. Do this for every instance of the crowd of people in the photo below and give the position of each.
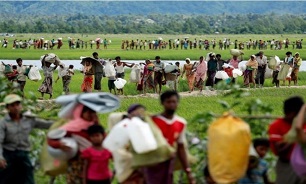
(153, 75)
(91, 163)
(158, 44)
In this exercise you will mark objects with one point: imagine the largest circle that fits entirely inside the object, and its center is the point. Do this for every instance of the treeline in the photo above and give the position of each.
(155, 24)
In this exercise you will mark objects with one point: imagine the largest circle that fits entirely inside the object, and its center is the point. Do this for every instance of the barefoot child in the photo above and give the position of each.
(96, 170)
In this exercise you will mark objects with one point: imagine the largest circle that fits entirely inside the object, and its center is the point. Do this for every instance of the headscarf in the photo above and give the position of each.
(87, 68)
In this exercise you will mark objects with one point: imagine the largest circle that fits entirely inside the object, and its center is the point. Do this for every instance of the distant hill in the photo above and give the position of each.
(149, 7)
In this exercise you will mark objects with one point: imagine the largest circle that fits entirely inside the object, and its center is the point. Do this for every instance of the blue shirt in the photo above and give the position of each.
(257, 174)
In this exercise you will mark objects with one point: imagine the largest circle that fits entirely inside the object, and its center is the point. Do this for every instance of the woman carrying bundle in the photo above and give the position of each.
(46, 86)
(250, 71)
(88, 77)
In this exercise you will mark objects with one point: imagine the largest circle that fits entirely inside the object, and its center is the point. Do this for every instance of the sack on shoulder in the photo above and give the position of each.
(163, 152)
(49, 165)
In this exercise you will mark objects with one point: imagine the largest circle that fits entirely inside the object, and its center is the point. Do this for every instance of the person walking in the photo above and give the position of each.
(98, 72)
(189, 71)
(159, 73)
(15, 129)
(173, 129)
(297, 61)
(88, 77)
(65, 74)
(46, 86)
(212, 66)
(250, 71)
(200, 74)
(262, 65)
(21, 77)
(277, 130)
(234, 62)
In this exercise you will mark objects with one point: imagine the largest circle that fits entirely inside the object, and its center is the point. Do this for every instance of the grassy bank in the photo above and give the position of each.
(114, 49)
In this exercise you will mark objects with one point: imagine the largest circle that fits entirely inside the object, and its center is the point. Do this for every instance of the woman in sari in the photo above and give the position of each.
(297, 61)
(46, 86)
(83, 117)
(200, 74)
(188, 69)
(88, 77)
(147, 77)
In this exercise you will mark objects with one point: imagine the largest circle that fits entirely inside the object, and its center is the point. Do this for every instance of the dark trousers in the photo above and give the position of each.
(108, 181)
(98, 79)
(19, 169)
(211, 78)
(260, 77)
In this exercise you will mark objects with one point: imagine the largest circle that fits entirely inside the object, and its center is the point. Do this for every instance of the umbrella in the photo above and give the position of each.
(95, 63)
(186, 37)
(97, 39)
(98, 102)
(160, 38)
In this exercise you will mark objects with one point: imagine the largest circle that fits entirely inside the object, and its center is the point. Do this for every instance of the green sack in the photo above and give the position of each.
(283, 72)
(27, 70)
(7, 69)
(49, 165)
(163, 152)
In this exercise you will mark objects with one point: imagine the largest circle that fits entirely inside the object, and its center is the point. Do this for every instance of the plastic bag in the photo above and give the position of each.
(135, 74)
(109, 70)
(120, 83)
(141, 136)
(268, 73)
(222, 75)
(170, 68)
(115, 118)
(34, 74)
(272, 63)
(241, 66)
(236, 52)
(237, 73)
(49, 165)
(118, 137)
(298, 161)
(283, 72)
(229, 141)
(163, 152)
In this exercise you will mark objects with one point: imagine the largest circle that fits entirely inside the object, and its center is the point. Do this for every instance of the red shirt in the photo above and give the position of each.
(277, 130)
(172, 129)
(97, 163)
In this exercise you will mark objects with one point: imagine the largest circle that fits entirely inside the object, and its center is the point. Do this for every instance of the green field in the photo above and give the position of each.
(114, 48)
(189, 106)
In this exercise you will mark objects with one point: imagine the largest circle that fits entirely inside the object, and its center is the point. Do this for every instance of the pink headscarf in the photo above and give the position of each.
(201, 71)
(77, 124)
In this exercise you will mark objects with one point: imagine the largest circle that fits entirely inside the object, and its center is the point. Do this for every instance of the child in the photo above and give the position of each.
(257, 172)
(13, 75)
(111, 84)
(96, 170)
(275, 75)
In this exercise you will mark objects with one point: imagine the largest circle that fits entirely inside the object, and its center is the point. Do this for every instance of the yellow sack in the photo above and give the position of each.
(229, 140)
(49, 165)
(163, 152)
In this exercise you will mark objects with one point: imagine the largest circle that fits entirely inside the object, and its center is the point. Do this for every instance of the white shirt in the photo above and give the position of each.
(262, 61)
